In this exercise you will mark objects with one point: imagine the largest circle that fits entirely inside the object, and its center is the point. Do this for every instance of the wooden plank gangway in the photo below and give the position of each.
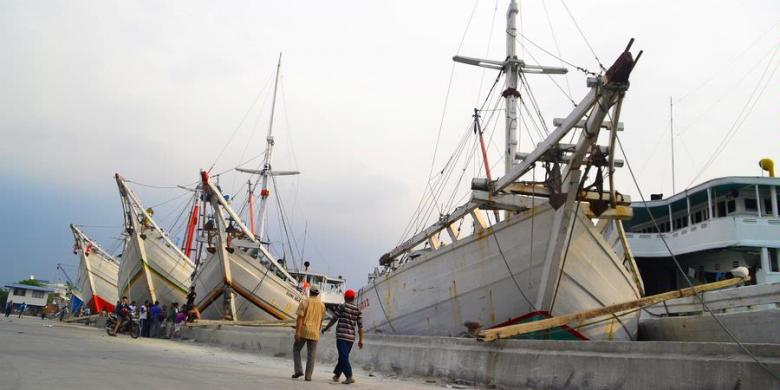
(528, 327)
(258, 323)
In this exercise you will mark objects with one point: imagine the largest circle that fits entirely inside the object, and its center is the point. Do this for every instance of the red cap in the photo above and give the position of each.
(349, 294)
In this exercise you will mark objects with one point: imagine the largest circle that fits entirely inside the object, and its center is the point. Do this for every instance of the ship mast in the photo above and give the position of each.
(510, 93)
(269, 147)
(265, 172)
(512, 67)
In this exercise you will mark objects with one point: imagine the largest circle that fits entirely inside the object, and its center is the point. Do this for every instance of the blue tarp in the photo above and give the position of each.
(75, 302)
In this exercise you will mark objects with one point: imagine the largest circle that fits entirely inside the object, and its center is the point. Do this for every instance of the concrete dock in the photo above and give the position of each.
(533, 364)
(44, 354)
(38, 354)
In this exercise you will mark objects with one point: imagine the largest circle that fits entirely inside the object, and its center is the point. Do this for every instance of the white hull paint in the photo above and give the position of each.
(167, 270)
(103, 275)
(469, 281)
(270, 297)
(152, 267)
(233, 285)
(98, 272)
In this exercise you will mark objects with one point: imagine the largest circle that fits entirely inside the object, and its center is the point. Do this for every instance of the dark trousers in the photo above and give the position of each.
(145, 328)
(344, 347)
(311, 356)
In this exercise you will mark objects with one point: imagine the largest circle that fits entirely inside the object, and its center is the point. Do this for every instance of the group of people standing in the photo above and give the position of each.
(308, 327)
(9, 308)
(155, 320)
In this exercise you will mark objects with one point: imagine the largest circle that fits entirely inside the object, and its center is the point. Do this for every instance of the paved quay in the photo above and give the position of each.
(44, 354)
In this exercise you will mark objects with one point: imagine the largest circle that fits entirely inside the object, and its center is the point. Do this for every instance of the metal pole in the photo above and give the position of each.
(671, 134)
(267, 160)
(510, 93)
(251, 200)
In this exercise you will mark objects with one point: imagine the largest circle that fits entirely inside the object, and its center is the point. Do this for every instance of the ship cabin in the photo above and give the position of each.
(711, 228)
(331, 289)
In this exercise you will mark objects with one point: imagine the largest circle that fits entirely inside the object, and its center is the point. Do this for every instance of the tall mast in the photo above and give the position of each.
(510, 93)
(266, 171)
(512, 67)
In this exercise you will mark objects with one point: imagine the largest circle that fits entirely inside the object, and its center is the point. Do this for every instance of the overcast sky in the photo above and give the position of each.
(155, 90)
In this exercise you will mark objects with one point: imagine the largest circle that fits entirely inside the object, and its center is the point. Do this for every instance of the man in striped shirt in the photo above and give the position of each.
(348, 316)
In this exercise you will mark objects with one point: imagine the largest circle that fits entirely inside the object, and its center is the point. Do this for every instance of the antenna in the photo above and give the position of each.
(305, 231)
(671, 135)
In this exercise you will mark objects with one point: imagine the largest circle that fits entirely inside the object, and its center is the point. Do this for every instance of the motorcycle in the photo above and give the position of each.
(130, 326)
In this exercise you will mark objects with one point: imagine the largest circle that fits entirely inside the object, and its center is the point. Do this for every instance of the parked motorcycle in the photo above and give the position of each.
(130, 326)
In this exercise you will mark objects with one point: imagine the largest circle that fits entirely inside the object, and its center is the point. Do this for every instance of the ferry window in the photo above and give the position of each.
(721, 209)
(697, 217)
(681, 222)
(750, 204)
(773, 260)
(731, 206)
(706, 214)
(767, 206)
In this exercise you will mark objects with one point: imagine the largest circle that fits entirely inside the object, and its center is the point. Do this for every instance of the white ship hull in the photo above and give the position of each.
(258, 293)
(163, 275)
(97, 282)
(152, 267)
(233, 285)
(98, 273)
(468, 280)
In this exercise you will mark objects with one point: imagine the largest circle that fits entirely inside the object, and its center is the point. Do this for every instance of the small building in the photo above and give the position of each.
(35, 297)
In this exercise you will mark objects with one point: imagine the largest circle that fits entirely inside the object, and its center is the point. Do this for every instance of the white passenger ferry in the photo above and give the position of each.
(711, 228)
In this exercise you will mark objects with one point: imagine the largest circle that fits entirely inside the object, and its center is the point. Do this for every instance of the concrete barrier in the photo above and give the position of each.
(531, 364)
(759, 326)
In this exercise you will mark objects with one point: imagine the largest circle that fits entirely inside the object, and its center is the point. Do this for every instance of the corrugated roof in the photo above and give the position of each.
(28, 287)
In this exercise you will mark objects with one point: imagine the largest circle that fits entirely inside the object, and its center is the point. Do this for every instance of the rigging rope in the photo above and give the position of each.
(549, 76)
(557, 47)
(487, 49)
(423, 210)
(719, 72)
(151, 185)
(503, 257)
(582, 34)
(447, 95)
(240, 123)
(292, 241)
(728, 91)
(744, 113)
(179, 196)
(576, 220)
(579, 68)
